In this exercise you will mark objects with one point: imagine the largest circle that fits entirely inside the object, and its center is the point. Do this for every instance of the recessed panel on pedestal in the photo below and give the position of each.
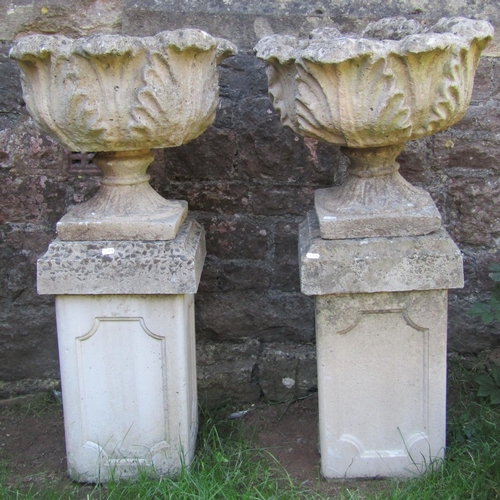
(381, 382)
(129, 384)
(121, 373)
(382, 388)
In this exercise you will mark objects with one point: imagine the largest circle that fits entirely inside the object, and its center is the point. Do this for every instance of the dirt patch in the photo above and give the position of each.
(32, 442)
(288, 433)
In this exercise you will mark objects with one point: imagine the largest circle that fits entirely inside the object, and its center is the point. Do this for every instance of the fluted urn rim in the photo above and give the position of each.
(111, 92)
(388, 36)
(395, 81)
(39, 45)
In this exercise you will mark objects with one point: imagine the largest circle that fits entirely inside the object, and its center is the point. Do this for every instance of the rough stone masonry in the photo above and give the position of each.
(248, 180)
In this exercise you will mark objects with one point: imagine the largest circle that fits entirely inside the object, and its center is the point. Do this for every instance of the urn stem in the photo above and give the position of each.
(124, 168)
(373, 162)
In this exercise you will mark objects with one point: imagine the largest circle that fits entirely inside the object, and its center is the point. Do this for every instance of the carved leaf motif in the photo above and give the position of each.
(118, 93)
(179, 97)
(454, 73)
(356, 102)
(282, 91)
(80, 109)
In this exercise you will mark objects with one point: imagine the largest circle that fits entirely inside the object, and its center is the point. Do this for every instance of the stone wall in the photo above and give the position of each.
(247, 179)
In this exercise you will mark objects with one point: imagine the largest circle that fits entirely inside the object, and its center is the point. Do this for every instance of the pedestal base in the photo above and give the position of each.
(381, 383)
(381, 324)
(361, 208)
(375, 201)
(125, 326)
(128, 371)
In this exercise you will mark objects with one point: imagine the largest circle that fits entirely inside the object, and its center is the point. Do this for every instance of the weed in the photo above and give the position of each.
(489, 385)
(489, 311)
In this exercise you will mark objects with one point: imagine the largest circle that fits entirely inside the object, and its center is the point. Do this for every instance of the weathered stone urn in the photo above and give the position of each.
(127, 264)
(370, 94)
(119, 96)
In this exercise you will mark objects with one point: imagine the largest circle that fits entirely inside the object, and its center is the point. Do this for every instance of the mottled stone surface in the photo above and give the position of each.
(119, 96)
(228, 372)
(287, 372)
(371, 265)
(371, 93)
(124, 267)
(76, 91)
(381, 333)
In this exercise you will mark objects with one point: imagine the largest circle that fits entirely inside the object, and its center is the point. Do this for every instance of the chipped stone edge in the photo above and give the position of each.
(370, 265)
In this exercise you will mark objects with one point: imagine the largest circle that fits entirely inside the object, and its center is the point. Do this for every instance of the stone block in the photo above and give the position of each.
(476, 203)
(124, 267)
(59, 16)
(285, 274)
(455, 149)
(239, 237)
(28, 345)
(210, 156)
(217, 196)
(27, 151)
(270, 317)
(287, 372)
(381, 331)
(481, 118)
(227, 372)
(36, 199)
(10, 84)
(281, 200)
(413, 161)
(267, 150)
(382, 361)
(128, 371)
(369, 265)
(245, 22)
(243, 76)
(226, 276)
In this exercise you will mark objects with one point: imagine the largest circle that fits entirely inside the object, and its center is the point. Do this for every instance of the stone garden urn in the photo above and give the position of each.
(125, 268)
(371, 93)
(120, 96)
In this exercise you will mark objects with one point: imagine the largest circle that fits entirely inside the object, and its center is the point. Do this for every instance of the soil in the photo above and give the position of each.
(32, 442)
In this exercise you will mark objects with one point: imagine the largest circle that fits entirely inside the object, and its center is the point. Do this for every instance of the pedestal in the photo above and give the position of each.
(125, 326)
(381, 322)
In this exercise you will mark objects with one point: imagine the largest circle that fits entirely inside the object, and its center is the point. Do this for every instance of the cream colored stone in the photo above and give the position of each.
(371, 94)
(126, 335)
(128, 371)
(381, 383)
(126, 207)
(369, 265)
(122, 93)
(119, 96)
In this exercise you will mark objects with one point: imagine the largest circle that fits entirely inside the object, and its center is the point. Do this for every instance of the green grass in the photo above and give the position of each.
(227, 466)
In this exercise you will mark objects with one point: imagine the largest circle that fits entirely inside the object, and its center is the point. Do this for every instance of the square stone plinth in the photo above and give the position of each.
(124, 267)
(381, 382)
(368, 265)
(381, 327)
